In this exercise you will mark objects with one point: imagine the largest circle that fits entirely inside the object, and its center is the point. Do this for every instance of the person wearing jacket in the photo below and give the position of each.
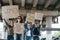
(9, 29)
(28, 31)
(36, 31)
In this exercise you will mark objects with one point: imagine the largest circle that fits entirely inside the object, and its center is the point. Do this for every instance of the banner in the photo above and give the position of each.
(38, 16)
(10, 11)
(30, 17)
(18, 28)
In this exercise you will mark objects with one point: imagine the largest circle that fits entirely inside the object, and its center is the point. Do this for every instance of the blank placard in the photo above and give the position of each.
(10, 11)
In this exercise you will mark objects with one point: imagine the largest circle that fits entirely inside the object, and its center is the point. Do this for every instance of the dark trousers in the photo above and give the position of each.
(18, 36)
(28, 37)
(10, 37)
(36, 38)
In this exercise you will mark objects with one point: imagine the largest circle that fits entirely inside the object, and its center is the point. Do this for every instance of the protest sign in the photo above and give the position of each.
(30, 17)
(10, 11)
(18, 28)
(38, 16)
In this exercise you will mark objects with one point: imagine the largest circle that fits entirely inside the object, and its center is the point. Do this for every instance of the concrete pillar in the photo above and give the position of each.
(48, 24)
(22, 3)
(0, 4)
(10, 2)
(35, 3)
(0, 10)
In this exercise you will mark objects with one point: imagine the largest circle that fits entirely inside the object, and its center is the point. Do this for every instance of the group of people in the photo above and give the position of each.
(31, 30)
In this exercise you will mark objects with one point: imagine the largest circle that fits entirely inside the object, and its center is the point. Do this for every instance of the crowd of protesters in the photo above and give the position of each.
(31, 30)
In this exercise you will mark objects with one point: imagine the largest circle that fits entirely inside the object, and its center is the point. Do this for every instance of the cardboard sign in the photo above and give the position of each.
(10, 11)
(18, 28)
(30, 17)
(38, 16)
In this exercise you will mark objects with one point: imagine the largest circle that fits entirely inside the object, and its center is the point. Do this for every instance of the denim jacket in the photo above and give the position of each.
(26, 29)
(38, 29)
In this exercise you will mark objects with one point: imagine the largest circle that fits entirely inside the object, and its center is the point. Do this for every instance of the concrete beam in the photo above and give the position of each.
(0, 7)
(50, 29)
(22, 3)
(48, 3)
(45, 12)
(0, 11)
(58, 6)
(59, 13)
(10, 2)
(0, 4)
(29, 1)
(35, 3)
